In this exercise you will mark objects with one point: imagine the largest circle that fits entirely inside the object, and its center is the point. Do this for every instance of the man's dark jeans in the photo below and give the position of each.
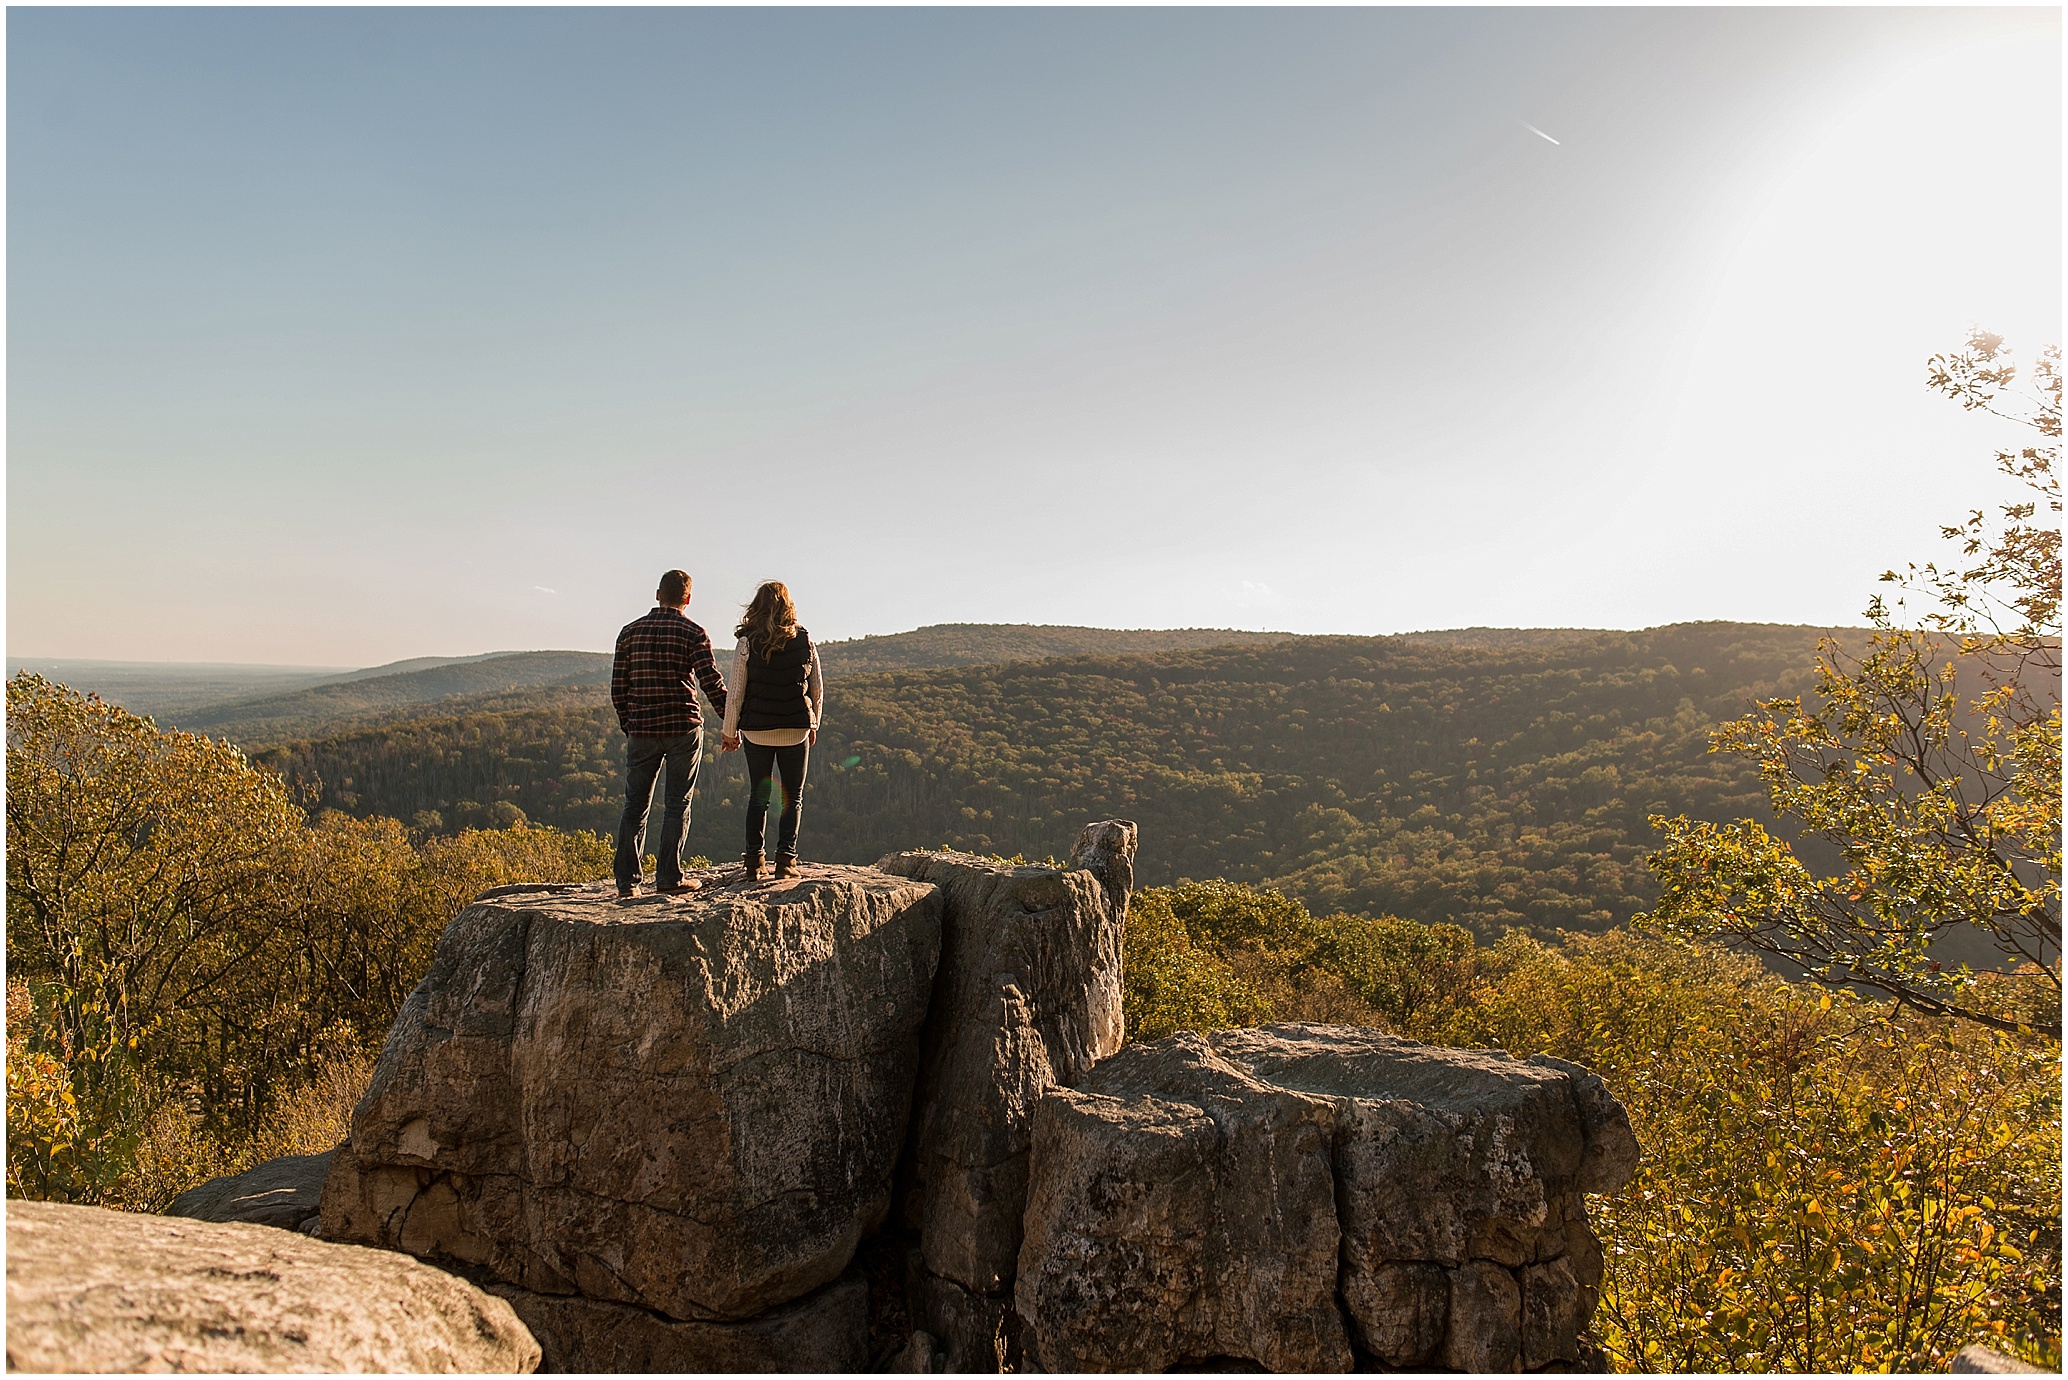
(644, 758)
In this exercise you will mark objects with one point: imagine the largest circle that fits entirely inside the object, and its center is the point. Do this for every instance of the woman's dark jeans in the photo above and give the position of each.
(762, 763)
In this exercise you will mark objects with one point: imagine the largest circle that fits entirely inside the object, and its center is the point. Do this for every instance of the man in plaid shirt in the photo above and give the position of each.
(660, 661)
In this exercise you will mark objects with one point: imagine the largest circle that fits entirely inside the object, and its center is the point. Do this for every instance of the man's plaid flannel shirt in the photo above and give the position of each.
(650, 676)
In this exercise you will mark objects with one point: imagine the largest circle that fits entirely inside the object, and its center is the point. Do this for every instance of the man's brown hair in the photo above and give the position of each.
(674, 589)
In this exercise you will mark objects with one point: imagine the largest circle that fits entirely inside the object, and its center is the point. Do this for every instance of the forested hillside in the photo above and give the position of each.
(984, 644)
(1381, 775)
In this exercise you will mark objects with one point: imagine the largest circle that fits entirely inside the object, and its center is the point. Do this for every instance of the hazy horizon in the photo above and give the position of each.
(342, 336)
(28, 659)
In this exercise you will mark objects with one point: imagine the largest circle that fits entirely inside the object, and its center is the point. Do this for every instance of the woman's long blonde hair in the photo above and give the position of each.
(770, 620)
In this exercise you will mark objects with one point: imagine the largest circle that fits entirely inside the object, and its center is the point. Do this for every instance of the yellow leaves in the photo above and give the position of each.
(1800, 1255)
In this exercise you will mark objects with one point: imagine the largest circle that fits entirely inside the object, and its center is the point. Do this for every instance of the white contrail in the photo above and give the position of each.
(543, 590)
(1538, 132)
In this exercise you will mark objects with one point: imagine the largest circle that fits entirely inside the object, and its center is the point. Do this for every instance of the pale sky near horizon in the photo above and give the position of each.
(338, 336)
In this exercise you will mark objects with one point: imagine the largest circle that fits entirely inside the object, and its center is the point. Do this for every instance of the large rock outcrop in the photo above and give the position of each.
(1027, 999)
(92, 1290)
(285, 1192)
(660, 1129)
(1303, 1197)
(691, 1105)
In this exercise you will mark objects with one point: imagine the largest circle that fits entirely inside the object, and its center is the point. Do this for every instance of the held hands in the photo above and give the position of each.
(730, 742)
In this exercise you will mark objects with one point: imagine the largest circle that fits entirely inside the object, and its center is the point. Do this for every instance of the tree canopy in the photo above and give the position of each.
(1929, 759)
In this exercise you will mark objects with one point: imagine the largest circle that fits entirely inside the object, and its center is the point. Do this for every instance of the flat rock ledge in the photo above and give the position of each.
(98, 1291)
(1316, 1198)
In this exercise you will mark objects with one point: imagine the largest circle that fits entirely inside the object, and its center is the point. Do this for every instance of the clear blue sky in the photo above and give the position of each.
(338, 336)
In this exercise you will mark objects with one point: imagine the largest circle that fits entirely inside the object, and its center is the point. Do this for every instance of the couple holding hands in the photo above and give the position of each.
(771, 708)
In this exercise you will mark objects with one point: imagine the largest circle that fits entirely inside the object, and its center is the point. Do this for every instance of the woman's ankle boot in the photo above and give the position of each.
(752, 863)
(786, 865)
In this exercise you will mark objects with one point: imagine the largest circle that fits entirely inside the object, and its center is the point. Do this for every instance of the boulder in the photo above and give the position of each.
(93, 1290)
(1182, 1210)
(285, 1192)
(824, 1332)
(689, 1104)
(1027, 999)
(1217, 1196)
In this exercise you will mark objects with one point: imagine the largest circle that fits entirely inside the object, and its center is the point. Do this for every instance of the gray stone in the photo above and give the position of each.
(1399, 1310)
(1552, 1316)
(1181, 1210)
(1485, 1319)
(1981, 1360)
(688, 1104)
(92, 1290)
(1583, 1253)
(1449, 1156)
(973, 1334)
(1027, 998)
(826, 1331)
(286, 1193)
(1186, 1200)
(1610, 1158)
(1446, 1155)
(920, 1355)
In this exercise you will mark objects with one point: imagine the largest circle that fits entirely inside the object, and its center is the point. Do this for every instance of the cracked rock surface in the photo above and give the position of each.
(92, 1290)
(1304, 1196)
(690, 1104)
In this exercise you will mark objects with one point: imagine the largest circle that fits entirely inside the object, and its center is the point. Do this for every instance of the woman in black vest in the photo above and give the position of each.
(773, 703)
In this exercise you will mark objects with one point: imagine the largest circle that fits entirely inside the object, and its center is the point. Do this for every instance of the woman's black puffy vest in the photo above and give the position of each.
(773, 696)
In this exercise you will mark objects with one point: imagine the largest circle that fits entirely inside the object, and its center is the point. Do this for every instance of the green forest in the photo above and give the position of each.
(1490, 787)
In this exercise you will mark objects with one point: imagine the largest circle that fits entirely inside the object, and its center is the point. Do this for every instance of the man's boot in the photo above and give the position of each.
(786, 865)
(752, 863)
